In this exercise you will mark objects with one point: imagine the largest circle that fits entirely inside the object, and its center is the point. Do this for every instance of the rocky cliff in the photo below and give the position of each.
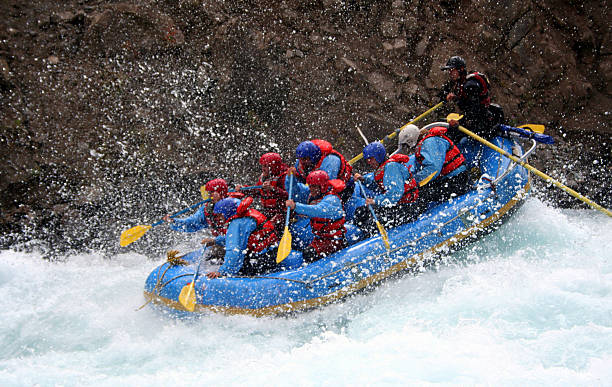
(114, 113)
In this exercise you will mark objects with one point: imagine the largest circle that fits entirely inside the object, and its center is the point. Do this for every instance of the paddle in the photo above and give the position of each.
(381, 229)
(187, 298)
(136, 232)
(284, 247)
(537, 172)
(395, 133)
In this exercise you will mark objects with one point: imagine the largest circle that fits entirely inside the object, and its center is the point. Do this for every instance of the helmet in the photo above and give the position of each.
(408, 136)
(308, 149)
(318, 177)
(272, 160)
(455, 62)
(227, 207)
(376, 150)
(217, 185)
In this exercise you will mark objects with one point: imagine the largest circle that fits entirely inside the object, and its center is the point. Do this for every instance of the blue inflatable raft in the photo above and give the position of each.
(502, 188)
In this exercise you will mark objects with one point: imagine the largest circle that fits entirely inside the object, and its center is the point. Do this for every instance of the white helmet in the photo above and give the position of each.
(408, 137)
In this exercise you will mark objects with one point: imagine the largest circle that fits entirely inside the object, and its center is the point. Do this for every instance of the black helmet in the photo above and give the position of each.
(455, 62)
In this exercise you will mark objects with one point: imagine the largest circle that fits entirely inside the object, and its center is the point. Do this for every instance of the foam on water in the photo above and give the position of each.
(528, 304)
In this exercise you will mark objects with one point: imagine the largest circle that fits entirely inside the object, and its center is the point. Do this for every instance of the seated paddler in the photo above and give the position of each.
(440, 168)
(250, 241)
(272, 194)
(319, 155)
(391, 190)
(324, 209)
(203, 218)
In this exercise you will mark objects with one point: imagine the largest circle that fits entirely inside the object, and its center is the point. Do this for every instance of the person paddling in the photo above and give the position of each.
(203, 218)
(326, 215)
(393, 190)
(320, 155)
(250, 239)
(440, 169)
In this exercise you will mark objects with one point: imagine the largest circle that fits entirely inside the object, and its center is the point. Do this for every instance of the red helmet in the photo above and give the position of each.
(274, 161)
(318, 177)
(217, 185)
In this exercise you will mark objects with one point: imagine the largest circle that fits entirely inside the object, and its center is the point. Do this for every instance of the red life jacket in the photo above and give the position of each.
(216, 227)
(273, 201)
(485, 99)
(453, 159)
(411, 188)
(263, 236)
(328, 228)
(346, 170)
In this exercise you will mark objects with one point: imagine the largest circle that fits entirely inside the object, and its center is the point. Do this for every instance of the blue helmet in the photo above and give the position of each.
(376, 150)
(308, 149)
(227, 207)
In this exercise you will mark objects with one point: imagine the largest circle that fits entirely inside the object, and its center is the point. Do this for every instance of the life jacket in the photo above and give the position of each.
(217, 228)
(411, 190)
(453, 159)
(484, 97)
(272, 201)
(328, 228)
(346, 170)
(264, 235)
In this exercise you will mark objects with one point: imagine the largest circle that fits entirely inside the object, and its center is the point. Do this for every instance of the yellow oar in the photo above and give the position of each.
(381, 229)
(395, 133)
(187, 298)
(537, 172)
(134, 233)
(284, 247)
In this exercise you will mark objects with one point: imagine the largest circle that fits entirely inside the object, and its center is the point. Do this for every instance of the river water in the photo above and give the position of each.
(530, 304)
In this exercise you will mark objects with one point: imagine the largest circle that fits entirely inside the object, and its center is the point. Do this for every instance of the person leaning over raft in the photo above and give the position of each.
(440, 167)
(471, 93)
(203, 217)
(395, 189)
(326, 215)
(250, 239)
(273, 193)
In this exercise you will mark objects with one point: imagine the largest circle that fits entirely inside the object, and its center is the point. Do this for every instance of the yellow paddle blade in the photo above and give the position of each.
(187, 297)
(534, 128)
(384, 235)
(284, 247)
(133, 234)
(453, 116)
(204, 192)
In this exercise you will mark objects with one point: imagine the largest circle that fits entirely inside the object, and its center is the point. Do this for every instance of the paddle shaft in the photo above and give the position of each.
(289, 197)
(396, 132)
(383, 233)
(537, 172)
(284, 246)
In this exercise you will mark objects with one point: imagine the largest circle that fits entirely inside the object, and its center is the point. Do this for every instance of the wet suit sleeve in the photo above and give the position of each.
(433, 151)
(331, 165)
(193, 223)
(236, 241)
(328, 208)
(395, 175)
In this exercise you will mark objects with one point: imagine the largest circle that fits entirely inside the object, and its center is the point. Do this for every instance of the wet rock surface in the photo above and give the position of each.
(114, 113)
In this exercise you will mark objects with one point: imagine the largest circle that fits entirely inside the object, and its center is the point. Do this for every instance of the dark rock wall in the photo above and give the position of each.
(114, 113)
